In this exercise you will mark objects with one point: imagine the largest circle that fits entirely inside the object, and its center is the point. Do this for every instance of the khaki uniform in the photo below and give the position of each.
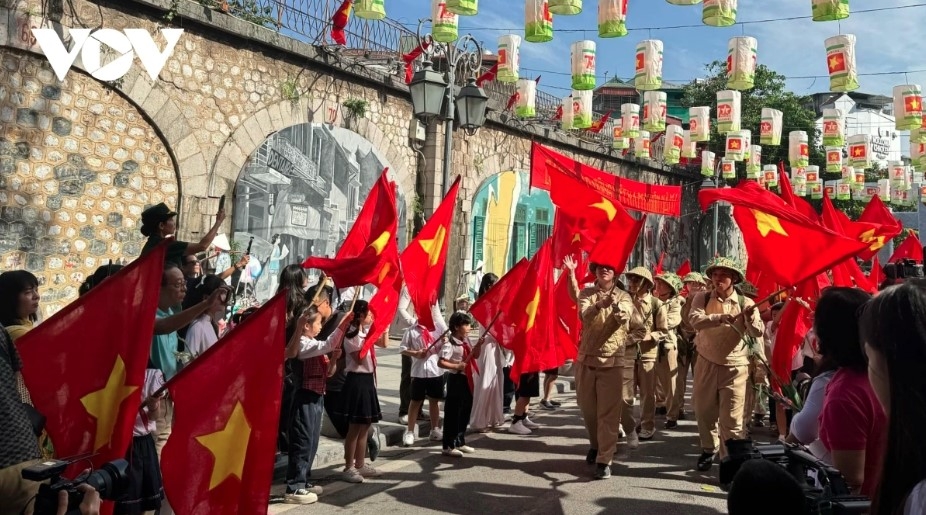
(598, 372)
(687, 356)
(756, 376)
(721, 370)
(648, 328)
(667, 361)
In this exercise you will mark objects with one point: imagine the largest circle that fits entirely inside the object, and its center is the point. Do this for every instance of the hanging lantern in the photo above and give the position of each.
(444, 24)
(684, 2)
(833, 159)
(754, 162)
(719, 13)
(848, 174)
(620, 142)
(700, 123)
(918, 154)
(798, 149)
(538, 21)
(830, 10)
(816, 190)
(569, 114)
(689, 148)
(908, 107)
(741, 63)
(582, 109)
(918, 135)
(630, 114)
(897, 173)
(583, 65)
(612, 18)
(509, 59)
(897, 197)
(770, 175)
(566, 7)
(728, 111)
(747, 141)
(463, 7)
(799, 175)
(674, 140)
(834, 134)
(843, 190)
(771, 127)
(859, 151)
(859, 181)
(812, 173)
(736, 146)
(800, 190)
(884, 189)
(840, 59)
(654, 111)
(648, 75)
(829, 189)
(369, 9)
(728, 168)
(641, 145)
(525, 106)
(707, 163)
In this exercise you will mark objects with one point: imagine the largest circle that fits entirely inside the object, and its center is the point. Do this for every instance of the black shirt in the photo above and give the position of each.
(175, 251)
(17, 441)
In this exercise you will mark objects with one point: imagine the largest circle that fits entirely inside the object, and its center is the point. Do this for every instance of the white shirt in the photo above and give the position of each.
(154, 380)
(413, 340)
(310, 347)
(916, 501)
(452, 352)
(352, 345)
(200, 335)
(805, 425)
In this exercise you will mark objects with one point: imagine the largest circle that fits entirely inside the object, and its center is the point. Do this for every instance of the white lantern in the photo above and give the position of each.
(719, 13)
(370, 9)
(538, 21)
(525, 106)
(754, 162)
(630, 114)
(859, 181)
(689, 147)
(812, 173)
(859, 151)
(728, 111)
(843, 190)
(654, 111)
(770, 127)
(509, 58)
(918, 154)
(684, 2)
(582, 104)
(747, 140)
(816, 190)
(569, 114)
(800, 189)
(619, 141)
(707, 163)
(799, 175)
(700, 123)
(736, 146)
(741, 63)
(798, 149)
(834, 134)
(444, 24)
(884, 189)
(848, 174)
(612, 18)
(641, 145)
(728, 168)
(830, 10)
(770, 174)
(908, 107)
(833, 159)
(897, 173)
(840, 60)
(565, 7)
(648, 74)
(674, 141)
(583, 65)
(463, 7)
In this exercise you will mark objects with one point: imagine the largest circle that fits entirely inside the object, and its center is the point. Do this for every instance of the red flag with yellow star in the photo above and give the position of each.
(85, 367)
(569, 238)
(593, 210)
(491, 309)
(220, 455)
(911, 248)
(424, 258)
(880, 226)
(616, 244)
(363, 258)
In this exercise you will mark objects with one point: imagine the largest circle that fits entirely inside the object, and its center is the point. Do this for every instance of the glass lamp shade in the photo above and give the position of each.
(471, 104)
(428, 90)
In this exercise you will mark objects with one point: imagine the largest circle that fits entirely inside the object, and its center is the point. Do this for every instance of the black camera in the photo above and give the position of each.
(825, 490)
(908, 269)
(111, 481)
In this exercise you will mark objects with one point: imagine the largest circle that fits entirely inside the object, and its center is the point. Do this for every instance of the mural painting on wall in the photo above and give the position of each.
(78, 164)
(510, 222)
(670, 235)
(298, 196)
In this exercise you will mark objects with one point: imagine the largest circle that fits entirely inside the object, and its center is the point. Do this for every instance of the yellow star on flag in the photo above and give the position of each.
(434, 245)
(229, 447)
(531, 310)
(383, 273)
(576, 238)
(606, 206)
(869, 237)
(103, 404)
(380, 243)
(767, 223)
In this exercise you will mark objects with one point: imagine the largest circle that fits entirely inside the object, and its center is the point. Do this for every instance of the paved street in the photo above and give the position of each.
(541, 473)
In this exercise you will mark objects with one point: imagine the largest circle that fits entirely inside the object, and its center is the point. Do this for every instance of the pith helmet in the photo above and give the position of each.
(672, 280)
(641, 271)
(694, 277)
(727, 264)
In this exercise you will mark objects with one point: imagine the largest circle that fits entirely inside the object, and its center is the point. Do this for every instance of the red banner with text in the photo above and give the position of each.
(639, 196)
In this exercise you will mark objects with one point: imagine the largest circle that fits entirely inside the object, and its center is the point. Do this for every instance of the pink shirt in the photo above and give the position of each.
(852, 420)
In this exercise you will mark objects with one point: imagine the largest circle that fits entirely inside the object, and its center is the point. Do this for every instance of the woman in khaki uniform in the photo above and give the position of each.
(648, 330)
(668, 286)
(687, 355)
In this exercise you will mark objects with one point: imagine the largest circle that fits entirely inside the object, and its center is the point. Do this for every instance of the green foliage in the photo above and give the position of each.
(357, 107)
(904, 235)
(289, 89)
(247, 10)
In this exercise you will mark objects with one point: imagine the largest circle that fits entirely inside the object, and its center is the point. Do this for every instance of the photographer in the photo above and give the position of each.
(89, 506)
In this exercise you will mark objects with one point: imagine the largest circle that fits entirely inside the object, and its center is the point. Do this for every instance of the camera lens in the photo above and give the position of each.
(111, 480)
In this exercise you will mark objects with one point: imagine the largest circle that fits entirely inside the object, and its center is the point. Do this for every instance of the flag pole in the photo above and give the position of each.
(318, 290)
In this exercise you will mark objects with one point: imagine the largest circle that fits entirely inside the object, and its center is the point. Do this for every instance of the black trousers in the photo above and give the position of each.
(508, 390)
(457, 408)
(405, 385)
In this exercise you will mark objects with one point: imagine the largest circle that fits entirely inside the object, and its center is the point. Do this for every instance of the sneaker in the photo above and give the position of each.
(453, 453)
(530, 424)
(373, 443)
(352, 475)
(466, 449)
(603, 471)
(554, 403)
(671, 424)
(436, 435)
(301, 496)
(408, 439)
(547, 405)
(519, 428)
(633, 440)
(403, 419)
(647, 434)
(368, 471)
(590, 457)
(705, 461)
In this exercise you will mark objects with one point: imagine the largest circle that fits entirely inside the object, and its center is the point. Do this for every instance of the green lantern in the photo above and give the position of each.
(843, 190)
(463, 7)
(840, 61)
(742, 54)
(908, 107)
(444, 24)
(707, 163)
(583, 65)
(641, 145)
(566, 7)
(630, 114)
(582, 107)
(830, 10)
(648, 66)
(612, 18)
(525, 106)
(833, 159)
(719, 13)
(538, 21)
(654, 111)
(509, 58)
(370, 9)
(619, 141)
(834, 134)
(674, 140)
(754, 162)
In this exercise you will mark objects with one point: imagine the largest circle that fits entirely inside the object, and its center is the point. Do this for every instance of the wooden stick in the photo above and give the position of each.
(353, 301)
(321, 286)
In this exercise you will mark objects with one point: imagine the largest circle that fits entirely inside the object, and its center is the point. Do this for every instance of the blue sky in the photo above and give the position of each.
(888, 41)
